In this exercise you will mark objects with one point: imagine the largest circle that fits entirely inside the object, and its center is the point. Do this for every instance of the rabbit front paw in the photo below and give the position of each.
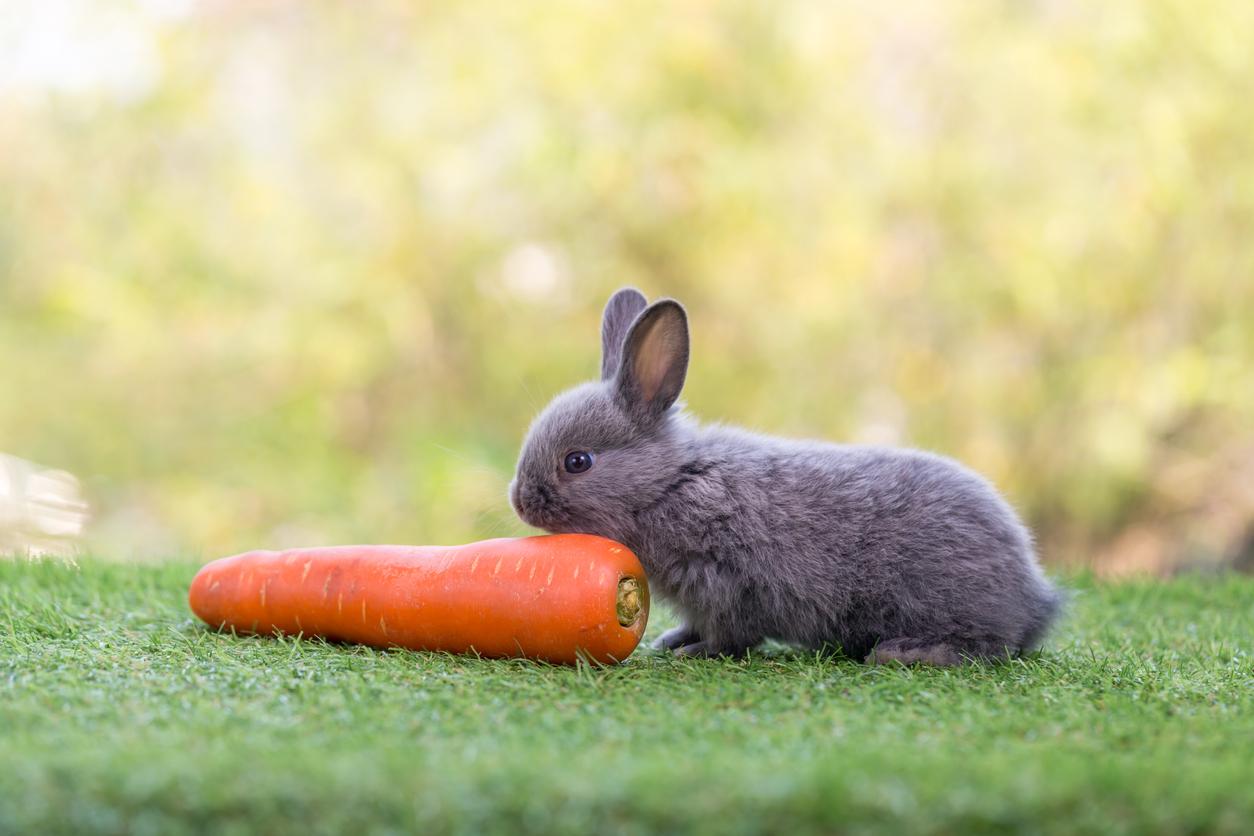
(712, 650)
(676, 637)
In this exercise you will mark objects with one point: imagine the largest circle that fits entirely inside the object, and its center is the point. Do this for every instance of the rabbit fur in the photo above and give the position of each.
(887, 554)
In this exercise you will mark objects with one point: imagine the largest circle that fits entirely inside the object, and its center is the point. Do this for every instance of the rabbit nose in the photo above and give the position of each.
(515, 494)
(523, 495)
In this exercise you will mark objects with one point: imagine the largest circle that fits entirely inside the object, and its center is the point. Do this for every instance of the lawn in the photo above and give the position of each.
(120, 714)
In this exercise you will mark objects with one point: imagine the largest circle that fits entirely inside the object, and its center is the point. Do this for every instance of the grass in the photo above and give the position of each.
(119, 714)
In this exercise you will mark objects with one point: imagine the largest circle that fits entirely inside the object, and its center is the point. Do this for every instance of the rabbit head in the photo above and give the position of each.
(599, 449)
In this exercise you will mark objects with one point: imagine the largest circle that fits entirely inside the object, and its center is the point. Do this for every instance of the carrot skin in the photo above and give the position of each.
(553, 598)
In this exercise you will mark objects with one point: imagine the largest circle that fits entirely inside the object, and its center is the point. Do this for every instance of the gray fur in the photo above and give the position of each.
(890, 554)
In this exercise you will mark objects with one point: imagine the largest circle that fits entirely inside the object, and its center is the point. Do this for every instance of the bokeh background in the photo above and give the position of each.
(282, 273)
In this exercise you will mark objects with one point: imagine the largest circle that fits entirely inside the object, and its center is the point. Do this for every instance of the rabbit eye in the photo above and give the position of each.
(577, 462)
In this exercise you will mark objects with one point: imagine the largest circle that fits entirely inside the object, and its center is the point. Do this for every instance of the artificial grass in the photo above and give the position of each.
(119, 713)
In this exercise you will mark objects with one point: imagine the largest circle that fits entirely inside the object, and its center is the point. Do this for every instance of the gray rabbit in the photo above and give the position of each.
(888, 554)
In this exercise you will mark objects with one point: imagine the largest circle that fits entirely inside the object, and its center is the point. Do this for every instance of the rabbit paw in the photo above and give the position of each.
(676, 637)
(710, 650)
(914, 651)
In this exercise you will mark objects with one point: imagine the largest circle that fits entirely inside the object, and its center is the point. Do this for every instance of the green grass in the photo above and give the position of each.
(119, 714)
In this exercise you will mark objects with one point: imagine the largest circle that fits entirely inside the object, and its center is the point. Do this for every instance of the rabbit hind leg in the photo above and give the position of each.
(942, 652)
(906, 651)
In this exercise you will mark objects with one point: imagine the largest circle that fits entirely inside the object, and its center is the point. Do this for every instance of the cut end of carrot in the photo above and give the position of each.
(628, 602)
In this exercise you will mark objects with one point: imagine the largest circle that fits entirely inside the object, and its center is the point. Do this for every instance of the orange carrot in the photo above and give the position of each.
(554, 598)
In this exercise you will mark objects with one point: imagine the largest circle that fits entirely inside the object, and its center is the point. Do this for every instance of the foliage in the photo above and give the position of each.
(305, 274)
(119, 714)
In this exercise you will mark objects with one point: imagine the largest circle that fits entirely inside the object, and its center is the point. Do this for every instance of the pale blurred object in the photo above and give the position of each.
(536, 273)
(66, 46)
(42, 512)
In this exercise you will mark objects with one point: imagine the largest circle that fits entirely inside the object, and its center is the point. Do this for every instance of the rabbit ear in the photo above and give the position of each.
(655, 360)
(622, 309)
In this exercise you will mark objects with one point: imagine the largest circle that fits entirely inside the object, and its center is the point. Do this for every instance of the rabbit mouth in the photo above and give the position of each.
(538, 504)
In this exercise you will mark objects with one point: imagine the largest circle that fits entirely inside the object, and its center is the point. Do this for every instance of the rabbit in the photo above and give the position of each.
(890, 555)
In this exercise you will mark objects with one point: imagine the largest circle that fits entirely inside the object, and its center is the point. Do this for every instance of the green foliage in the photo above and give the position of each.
(120, 714)
(310, 280)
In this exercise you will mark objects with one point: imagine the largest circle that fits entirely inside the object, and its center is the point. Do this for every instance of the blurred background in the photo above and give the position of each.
(291, 273)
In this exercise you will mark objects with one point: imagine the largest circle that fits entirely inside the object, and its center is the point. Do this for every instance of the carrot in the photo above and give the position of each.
(553, 598)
